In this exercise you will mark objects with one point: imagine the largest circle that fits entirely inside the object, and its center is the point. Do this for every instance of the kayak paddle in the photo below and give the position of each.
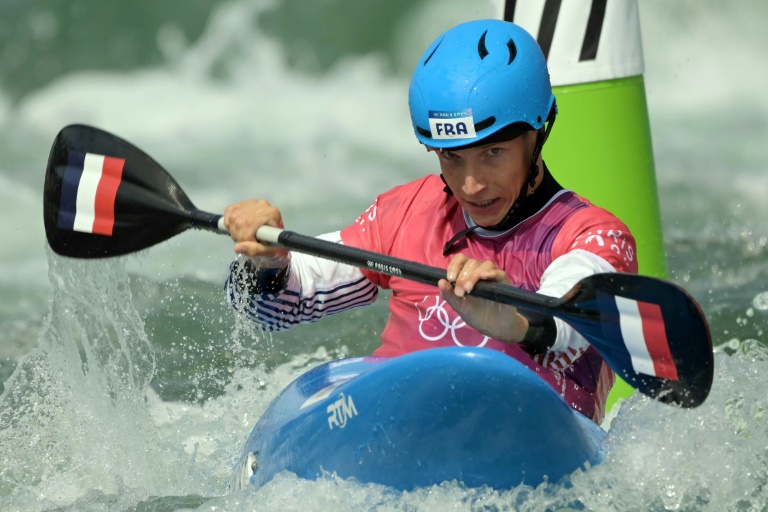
(104, 197)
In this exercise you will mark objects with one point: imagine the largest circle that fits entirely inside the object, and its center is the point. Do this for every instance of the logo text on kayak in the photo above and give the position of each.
(340, 411)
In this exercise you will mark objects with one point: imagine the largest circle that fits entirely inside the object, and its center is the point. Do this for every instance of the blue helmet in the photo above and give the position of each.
(476, 79)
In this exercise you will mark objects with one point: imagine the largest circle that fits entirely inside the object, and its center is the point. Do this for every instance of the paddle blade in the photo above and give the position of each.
(651, 332)
(105, 197)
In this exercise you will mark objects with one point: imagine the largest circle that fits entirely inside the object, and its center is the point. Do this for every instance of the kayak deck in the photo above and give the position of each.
(472, 415)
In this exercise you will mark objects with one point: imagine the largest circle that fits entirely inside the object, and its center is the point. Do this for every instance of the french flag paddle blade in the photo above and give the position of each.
(88, 191)
(105, 197)
(651, 332)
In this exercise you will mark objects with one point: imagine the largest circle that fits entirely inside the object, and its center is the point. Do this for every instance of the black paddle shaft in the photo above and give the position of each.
(413, 271)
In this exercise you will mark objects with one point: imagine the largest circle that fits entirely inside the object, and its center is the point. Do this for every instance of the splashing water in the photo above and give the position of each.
(74, 414)
(82, 428)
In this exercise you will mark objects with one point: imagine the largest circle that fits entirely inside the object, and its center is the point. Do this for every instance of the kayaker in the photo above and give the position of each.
(481, 100)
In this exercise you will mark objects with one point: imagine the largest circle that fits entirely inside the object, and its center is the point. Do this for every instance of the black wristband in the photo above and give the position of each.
(541, 333)
(262, 281)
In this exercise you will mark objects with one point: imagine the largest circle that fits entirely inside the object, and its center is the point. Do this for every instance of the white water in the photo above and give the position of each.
(82, 431)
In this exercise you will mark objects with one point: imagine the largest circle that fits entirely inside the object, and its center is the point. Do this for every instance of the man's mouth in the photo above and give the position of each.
(483, 204)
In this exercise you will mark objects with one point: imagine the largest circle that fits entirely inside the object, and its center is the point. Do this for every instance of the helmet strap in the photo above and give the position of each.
(533, 171)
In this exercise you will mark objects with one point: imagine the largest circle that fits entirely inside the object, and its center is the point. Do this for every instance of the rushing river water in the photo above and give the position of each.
(130, 385)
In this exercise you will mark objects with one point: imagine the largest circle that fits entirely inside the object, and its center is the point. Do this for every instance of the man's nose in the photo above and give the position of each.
(474, 183)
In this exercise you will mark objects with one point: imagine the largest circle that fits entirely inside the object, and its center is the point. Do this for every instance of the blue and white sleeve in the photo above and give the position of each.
(310, 289)
(561, 275)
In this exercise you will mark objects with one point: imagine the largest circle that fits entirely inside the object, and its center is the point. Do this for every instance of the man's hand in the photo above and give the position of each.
(493, 319)
(243, 219)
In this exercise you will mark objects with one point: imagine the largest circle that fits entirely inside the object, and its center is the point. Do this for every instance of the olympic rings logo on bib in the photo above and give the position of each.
(435, 323)
(452, 125)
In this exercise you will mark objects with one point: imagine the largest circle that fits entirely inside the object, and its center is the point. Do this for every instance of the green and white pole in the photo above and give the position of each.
(601, 143)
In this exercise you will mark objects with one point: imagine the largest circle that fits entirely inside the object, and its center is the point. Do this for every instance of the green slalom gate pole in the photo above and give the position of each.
(600, 145)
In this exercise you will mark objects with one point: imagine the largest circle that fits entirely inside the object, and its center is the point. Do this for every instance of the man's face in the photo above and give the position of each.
(486, 180)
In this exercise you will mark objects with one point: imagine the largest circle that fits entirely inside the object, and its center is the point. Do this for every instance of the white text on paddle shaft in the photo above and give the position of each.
(340, 411)
(384, 269)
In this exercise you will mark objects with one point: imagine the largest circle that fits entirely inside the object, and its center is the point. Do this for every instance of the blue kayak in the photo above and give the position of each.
(472, 415)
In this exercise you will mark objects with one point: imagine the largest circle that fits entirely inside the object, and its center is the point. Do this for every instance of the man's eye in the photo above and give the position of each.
(494, 151)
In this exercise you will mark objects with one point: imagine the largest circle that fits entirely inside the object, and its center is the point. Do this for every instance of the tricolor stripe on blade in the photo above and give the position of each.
(88, 193)
(642, 328)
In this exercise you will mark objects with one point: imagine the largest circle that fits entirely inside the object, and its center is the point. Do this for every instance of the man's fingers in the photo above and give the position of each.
(455, 266)
(470, 273)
